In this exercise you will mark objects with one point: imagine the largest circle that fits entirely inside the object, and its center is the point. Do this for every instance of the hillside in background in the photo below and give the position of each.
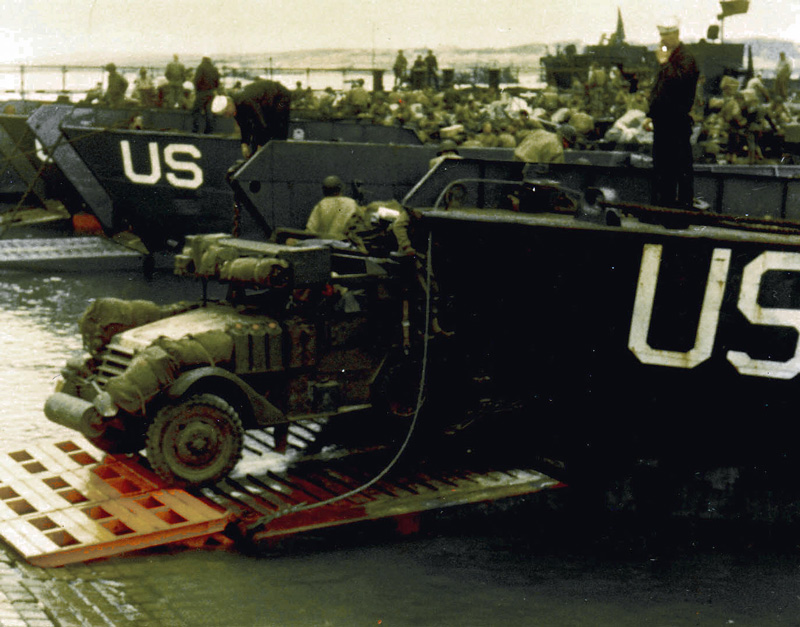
(765, 56)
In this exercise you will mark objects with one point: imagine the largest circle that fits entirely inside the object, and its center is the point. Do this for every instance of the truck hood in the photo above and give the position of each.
(212, 317)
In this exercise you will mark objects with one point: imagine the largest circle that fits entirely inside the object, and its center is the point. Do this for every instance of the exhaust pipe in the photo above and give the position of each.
(74, 413)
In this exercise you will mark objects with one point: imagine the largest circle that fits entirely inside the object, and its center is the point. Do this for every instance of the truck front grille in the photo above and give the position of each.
(113, 362)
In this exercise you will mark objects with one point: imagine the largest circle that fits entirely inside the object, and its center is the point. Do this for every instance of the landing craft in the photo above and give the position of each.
(714, 59)
(599, 332)
(166, 184)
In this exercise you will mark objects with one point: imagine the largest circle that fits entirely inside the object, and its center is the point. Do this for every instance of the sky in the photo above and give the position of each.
(36, 30)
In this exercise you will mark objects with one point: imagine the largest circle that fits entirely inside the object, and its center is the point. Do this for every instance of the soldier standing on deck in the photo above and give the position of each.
(117, 86)
(143, 89)
(782, 75)
(206, 82)
(432, 67)
(261, 110)
(175, 75)
(400, 67)
(671, 101)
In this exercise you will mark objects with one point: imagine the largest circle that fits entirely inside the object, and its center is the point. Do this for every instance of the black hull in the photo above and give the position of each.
(164, 185)
(614, 344)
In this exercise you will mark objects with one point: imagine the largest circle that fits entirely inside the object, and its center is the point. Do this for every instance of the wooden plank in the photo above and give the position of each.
(27, 539)
(80, 526)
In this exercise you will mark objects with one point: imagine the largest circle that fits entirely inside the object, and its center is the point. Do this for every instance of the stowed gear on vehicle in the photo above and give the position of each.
(303, 333)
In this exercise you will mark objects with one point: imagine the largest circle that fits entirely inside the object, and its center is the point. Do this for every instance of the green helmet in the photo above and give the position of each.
(331, 185)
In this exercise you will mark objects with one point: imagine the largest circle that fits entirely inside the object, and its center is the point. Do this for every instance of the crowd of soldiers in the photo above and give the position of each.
(741, 122)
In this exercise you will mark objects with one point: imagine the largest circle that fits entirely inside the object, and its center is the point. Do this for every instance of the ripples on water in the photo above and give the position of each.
(501, 569)
(39, 331)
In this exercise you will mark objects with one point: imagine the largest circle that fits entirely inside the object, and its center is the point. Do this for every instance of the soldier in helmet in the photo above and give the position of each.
(447, 150)
(261, 110)
(117, 86)
(206, 82)
(175, 75)
(783, 73)
(144, 90)
(543, 146)
(336, 216)
(432, 69)
(400, 67)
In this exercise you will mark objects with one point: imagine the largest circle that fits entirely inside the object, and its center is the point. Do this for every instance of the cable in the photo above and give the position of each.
(420, 398)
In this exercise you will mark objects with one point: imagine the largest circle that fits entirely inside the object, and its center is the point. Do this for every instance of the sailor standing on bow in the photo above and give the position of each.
(671, 101)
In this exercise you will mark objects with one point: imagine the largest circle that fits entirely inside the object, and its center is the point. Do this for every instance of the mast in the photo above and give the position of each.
(620, 34)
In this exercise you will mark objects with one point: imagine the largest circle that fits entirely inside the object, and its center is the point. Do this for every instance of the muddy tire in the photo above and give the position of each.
(196, 442)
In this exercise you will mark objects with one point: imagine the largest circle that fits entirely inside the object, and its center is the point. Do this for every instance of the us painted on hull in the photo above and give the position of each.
(634, 336)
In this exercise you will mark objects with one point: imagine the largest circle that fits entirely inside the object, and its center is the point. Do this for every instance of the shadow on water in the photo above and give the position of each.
(535, 560)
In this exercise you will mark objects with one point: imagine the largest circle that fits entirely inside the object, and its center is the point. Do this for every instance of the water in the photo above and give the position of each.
(513, 563)
(45, 84)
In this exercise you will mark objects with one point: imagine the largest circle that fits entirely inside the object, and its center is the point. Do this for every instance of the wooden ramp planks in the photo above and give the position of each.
(61, 504)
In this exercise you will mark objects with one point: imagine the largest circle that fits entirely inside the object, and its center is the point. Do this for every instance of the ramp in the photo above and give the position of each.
(67, 254)
(20, 176)
(45, 123)
(60, 504)
(63, 502)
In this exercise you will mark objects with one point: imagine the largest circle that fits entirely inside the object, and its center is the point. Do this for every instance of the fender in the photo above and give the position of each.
(213, 378)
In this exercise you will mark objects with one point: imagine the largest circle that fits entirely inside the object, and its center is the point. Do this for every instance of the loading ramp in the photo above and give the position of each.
(63, 501)
(68, 254)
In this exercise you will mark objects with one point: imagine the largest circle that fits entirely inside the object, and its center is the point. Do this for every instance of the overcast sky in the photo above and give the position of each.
(33, 30)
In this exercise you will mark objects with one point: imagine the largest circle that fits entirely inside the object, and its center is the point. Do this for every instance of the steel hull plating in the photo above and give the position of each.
(628, 342)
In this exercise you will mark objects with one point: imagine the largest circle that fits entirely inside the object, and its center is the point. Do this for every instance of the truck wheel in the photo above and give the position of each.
(196, 442)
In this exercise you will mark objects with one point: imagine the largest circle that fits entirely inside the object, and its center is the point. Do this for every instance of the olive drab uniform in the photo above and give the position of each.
(540, 146)
(400, 67)
(262, 112)
(337, 217)
(144, 90)
(117, 86)
(206, 82)
(782, 75)
(432, 69)
(175, 75)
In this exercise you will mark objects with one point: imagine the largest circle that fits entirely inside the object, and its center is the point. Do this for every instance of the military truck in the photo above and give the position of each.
(304, 332)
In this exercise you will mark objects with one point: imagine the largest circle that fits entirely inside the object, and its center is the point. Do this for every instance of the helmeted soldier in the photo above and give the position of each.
(783, 73)
(175, 75)
(432, 69)
(144, 90)
(400, 67)
(336, 216)
(206, 83)
(261, 110)
(543, 146)
(117, 86)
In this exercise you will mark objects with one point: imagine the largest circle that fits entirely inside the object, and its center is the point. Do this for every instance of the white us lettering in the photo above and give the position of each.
(709, 315)
(748, 305)
(171, 160)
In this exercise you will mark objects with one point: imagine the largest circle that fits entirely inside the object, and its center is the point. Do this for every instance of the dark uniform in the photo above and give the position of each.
(206, 82)
(671, 100)
(262, 112)
(117, 86)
